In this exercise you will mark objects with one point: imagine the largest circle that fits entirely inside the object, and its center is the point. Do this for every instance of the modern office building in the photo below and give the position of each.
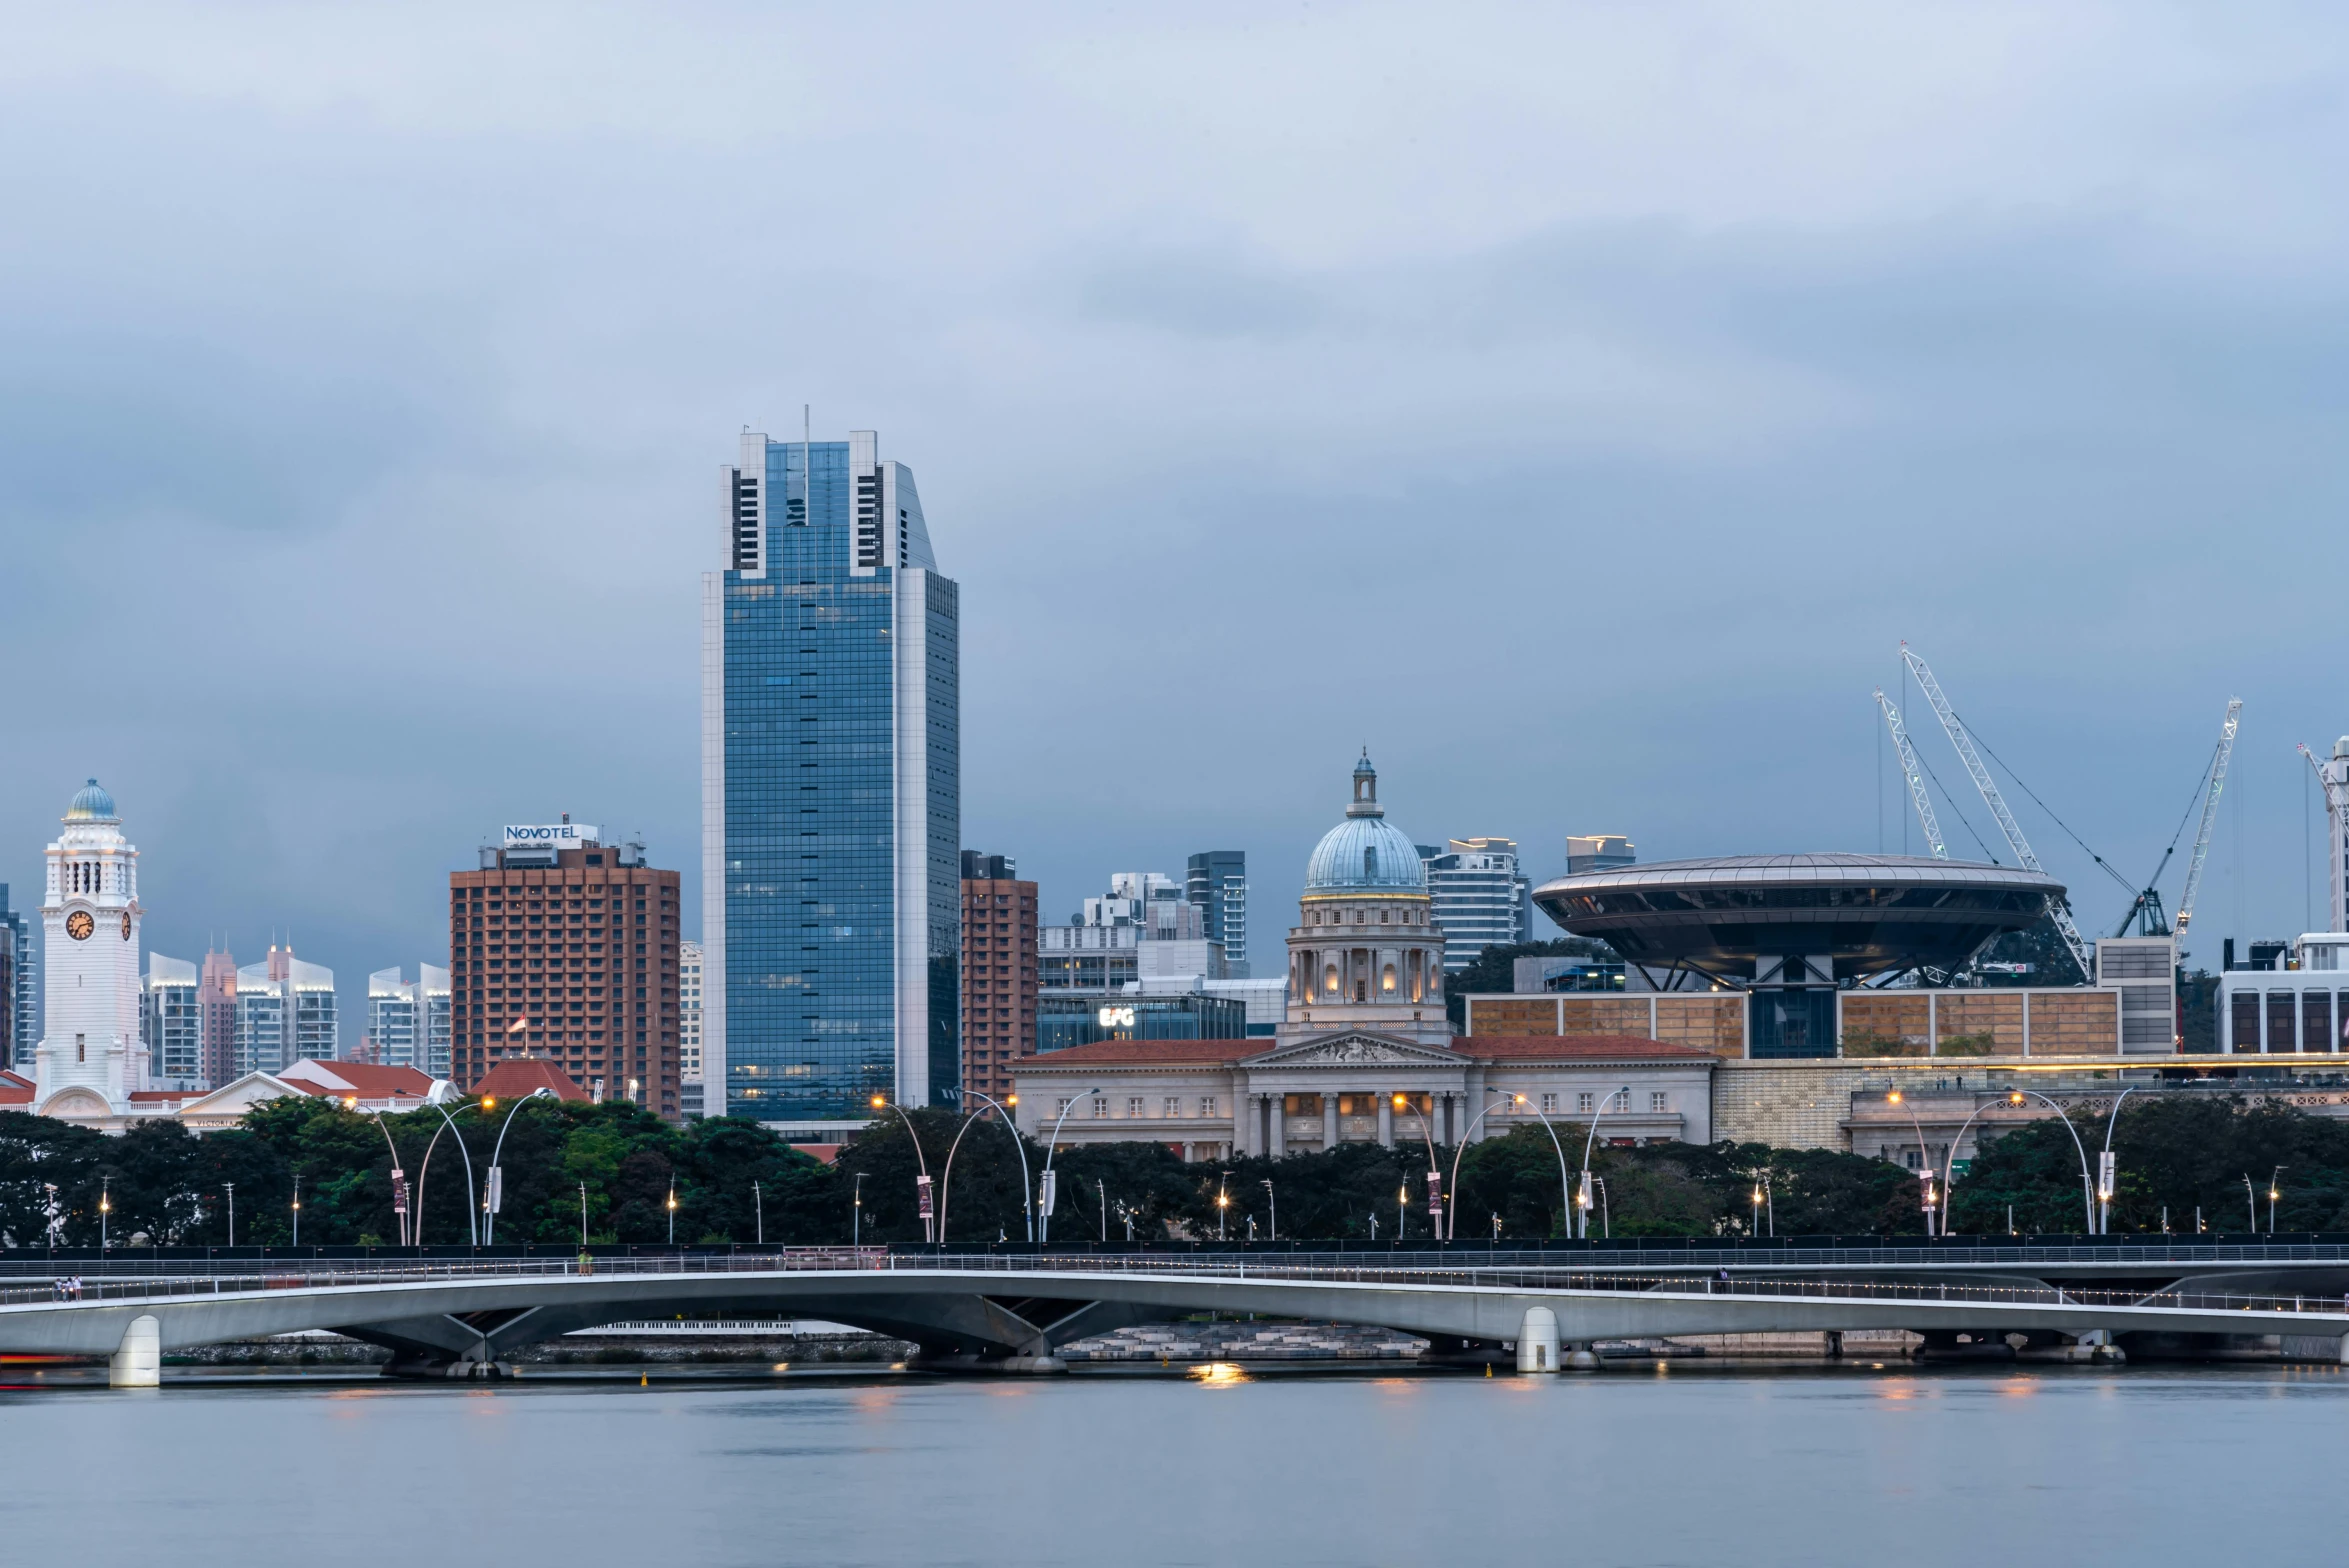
(1218, 886)
(1479, 898)
(1065, 1021)
(408, 1020)
(2271, 1009)
(1598, 852)
(20, 1017)
(1087, 958)
(565, 948)
(216, 1004)
(999, 972)
(171, 1024)
(831, 792)
(285, 1013)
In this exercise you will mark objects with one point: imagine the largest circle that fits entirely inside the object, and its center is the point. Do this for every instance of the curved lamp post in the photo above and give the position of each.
(495, 1198)
(2087, 1187)
(472, 1227)
(921, 1186)
(1582, 1199)
(1565, 1191)
(399, 1178)
(1924, 1156)
(1052, 1151)
(1435, 1197)
(1949, 1161)
(2107, 1177)
(945, 1181)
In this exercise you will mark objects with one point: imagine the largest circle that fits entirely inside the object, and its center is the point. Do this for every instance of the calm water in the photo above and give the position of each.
(2143, 1465)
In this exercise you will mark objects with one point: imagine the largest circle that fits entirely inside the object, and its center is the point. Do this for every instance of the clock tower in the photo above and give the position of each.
(87, 1061)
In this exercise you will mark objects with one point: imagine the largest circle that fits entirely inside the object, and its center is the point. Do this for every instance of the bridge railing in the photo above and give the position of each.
(1334, 1268)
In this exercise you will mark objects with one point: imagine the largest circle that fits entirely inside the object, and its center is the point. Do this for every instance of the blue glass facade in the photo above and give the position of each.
(837, 792)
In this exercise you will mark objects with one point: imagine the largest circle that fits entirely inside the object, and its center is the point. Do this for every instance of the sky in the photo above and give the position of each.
(1576, 405)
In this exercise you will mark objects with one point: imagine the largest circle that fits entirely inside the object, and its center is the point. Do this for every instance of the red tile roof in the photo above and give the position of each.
(1106, 1053)
(365, 1079)
(1575, 1048)
(517, 1076)
(15, 1090)
(825, 1153)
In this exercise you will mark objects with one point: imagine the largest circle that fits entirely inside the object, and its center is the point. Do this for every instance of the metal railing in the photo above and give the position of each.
(1328, 1268)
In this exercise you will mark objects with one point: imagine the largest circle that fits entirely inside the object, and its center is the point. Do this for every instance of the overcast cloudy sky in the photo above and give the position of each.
(1575, 404)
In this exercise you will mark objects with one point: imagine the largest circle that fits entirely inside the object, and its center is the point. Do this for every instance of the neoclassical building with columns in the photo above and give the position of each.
(1366, 1052)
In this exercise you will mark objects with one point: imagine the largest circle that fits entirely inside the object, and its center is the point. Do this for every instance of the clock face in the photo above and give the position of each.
(126, 928)
(79, 925)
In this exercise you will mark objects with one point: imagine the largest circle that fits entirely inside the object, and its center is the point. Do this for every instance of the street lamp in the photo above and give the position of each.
(946, 1180)
(1402, 1201)
(1924, 1156)
(1273, 1212)
(449, 1124)
(758, 1209)
(232, 1213)
(1590, 1142)
(672, 1209)
(921, 1182)
(399, 1178)
(1051, 1152)
(494, 1200)
(2087, 1187)
(2107, 1174)
(1223, 1208)
(1435, 1180)
(856, 1223)
(297, 1214)
(1949, 1167)
(1565, 1186)
(2273, 1193)
(106, 1207)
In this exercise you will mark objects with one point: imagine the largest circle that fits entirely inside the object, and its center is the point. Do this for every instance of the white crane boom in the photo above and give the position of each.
(2218, 781)
(1915, 776)
(2057, 910)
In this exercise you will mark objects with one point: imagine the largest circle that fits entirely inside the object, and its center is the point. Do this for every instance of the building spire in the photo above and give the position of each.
(1365, 803)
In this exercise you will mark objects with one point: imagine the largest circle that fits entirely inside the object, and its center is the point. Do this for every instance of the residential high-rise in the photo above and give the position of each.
(999, 972)
(216, 1006)
(831, 792)
(689, 1012)
(1218, 885)
(171, 1024)
(20, 1019)
(563, 947)
(408, 1020)
(1597, 852)
(1477, 897)
(285, 1013)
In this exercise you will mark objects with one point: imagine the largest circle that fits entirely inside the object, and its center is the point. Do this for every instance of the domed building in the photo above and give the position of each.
(1366, 1051)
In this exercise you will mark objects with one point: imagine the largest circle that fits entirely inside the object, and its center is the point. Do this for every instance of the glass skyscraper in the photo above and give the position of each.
(831, 791)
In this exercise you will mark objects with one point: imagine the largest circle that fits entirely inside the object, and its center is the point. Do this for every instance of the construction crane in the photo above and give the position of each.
(2057, 909)
(1915, 776)
(2218, 781)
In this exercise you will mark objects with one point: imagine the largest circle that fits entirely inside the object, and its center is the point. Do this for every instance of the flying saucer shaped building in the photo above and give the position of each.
(1792, 928)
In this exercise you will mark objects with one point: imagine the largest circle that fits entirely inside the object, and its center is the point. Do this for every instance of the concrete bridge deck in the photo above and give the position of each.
(1013, 1311)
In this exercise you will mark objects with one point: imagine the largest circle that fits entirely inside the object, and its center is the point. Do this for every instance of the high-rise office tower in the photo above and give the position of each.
(20, 1022)
(216, 1005)
(171, 1022)
(1218, 884)
(831, 791)
(1477, 896)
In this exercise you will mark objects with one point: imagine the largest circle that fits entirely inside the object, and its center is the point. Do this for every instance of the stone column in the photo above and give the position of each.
(1329, 1122)
(1386, 1122)
(1279, 1131)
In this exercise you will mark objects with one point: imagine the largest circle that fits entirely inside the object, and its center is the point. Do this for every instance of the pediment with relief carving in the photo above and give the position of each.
(1356, 1050)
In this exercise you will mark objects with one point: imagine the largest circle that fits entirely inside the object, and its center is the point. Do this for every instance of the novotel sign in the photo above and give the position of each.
(551, 835)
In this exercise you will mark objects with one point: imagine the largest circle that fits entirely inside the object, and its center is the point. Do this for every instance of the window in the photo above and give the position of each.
(1174, 1107)
(1134, 1107)
(1659, 1102)
(1100, 1107)
(1583, 1104)
(1620, 1100)
(1549, 1103)
(1207, 1105)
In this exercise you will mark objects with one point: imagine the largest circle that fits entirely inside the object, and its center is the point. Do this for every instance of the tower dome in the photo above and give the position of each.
(91, 804)
(1365, 854)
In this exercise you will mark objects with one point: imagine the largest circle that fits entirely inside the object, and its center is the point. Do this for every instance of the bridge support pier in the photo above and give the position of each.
(139, 1363)
(1537, 1341)
(1582, 1358)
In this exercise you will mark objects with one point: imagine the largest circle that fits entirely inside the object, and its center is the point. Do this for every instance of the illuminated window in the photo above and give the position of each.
(1583, 1104)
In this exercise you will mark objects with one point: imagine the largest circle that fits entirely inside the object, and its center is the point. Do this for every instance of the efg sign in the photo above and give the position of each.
(549, 836)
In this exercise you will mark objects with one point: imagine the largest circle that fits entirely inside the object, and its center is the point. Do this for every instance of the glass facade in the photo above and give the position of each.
(1217, 882)
(835, 739)
(1063, 1021)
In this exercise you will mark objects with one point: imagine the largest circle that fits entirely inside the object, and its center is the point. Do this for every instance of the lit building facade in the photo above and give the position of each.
(831, 792)
(216, 1004)
(1217, 885)
(88, 1062)
(171, 1024)
(285, 1013)
(689, 1012)
(20, 1001)
(408, 1020)
(1479, 898)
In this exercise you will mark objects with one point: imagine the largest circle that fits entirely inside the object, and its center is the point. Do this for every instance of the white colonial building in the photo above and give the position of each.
(91, 1051)
(1365, 1052)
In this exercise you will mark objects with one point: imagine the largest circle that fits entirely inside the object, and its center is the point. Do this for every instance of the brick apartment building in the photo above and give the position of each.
(564, 949)
(998, 973)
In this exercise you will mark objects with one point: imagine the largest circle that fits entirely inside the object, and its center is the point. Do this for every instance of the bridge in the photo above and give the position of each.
(1013, 1312)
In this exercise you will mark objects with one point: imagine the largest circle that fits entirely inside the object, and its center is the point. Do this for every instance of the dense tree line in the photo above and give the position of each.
(735, 1181)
